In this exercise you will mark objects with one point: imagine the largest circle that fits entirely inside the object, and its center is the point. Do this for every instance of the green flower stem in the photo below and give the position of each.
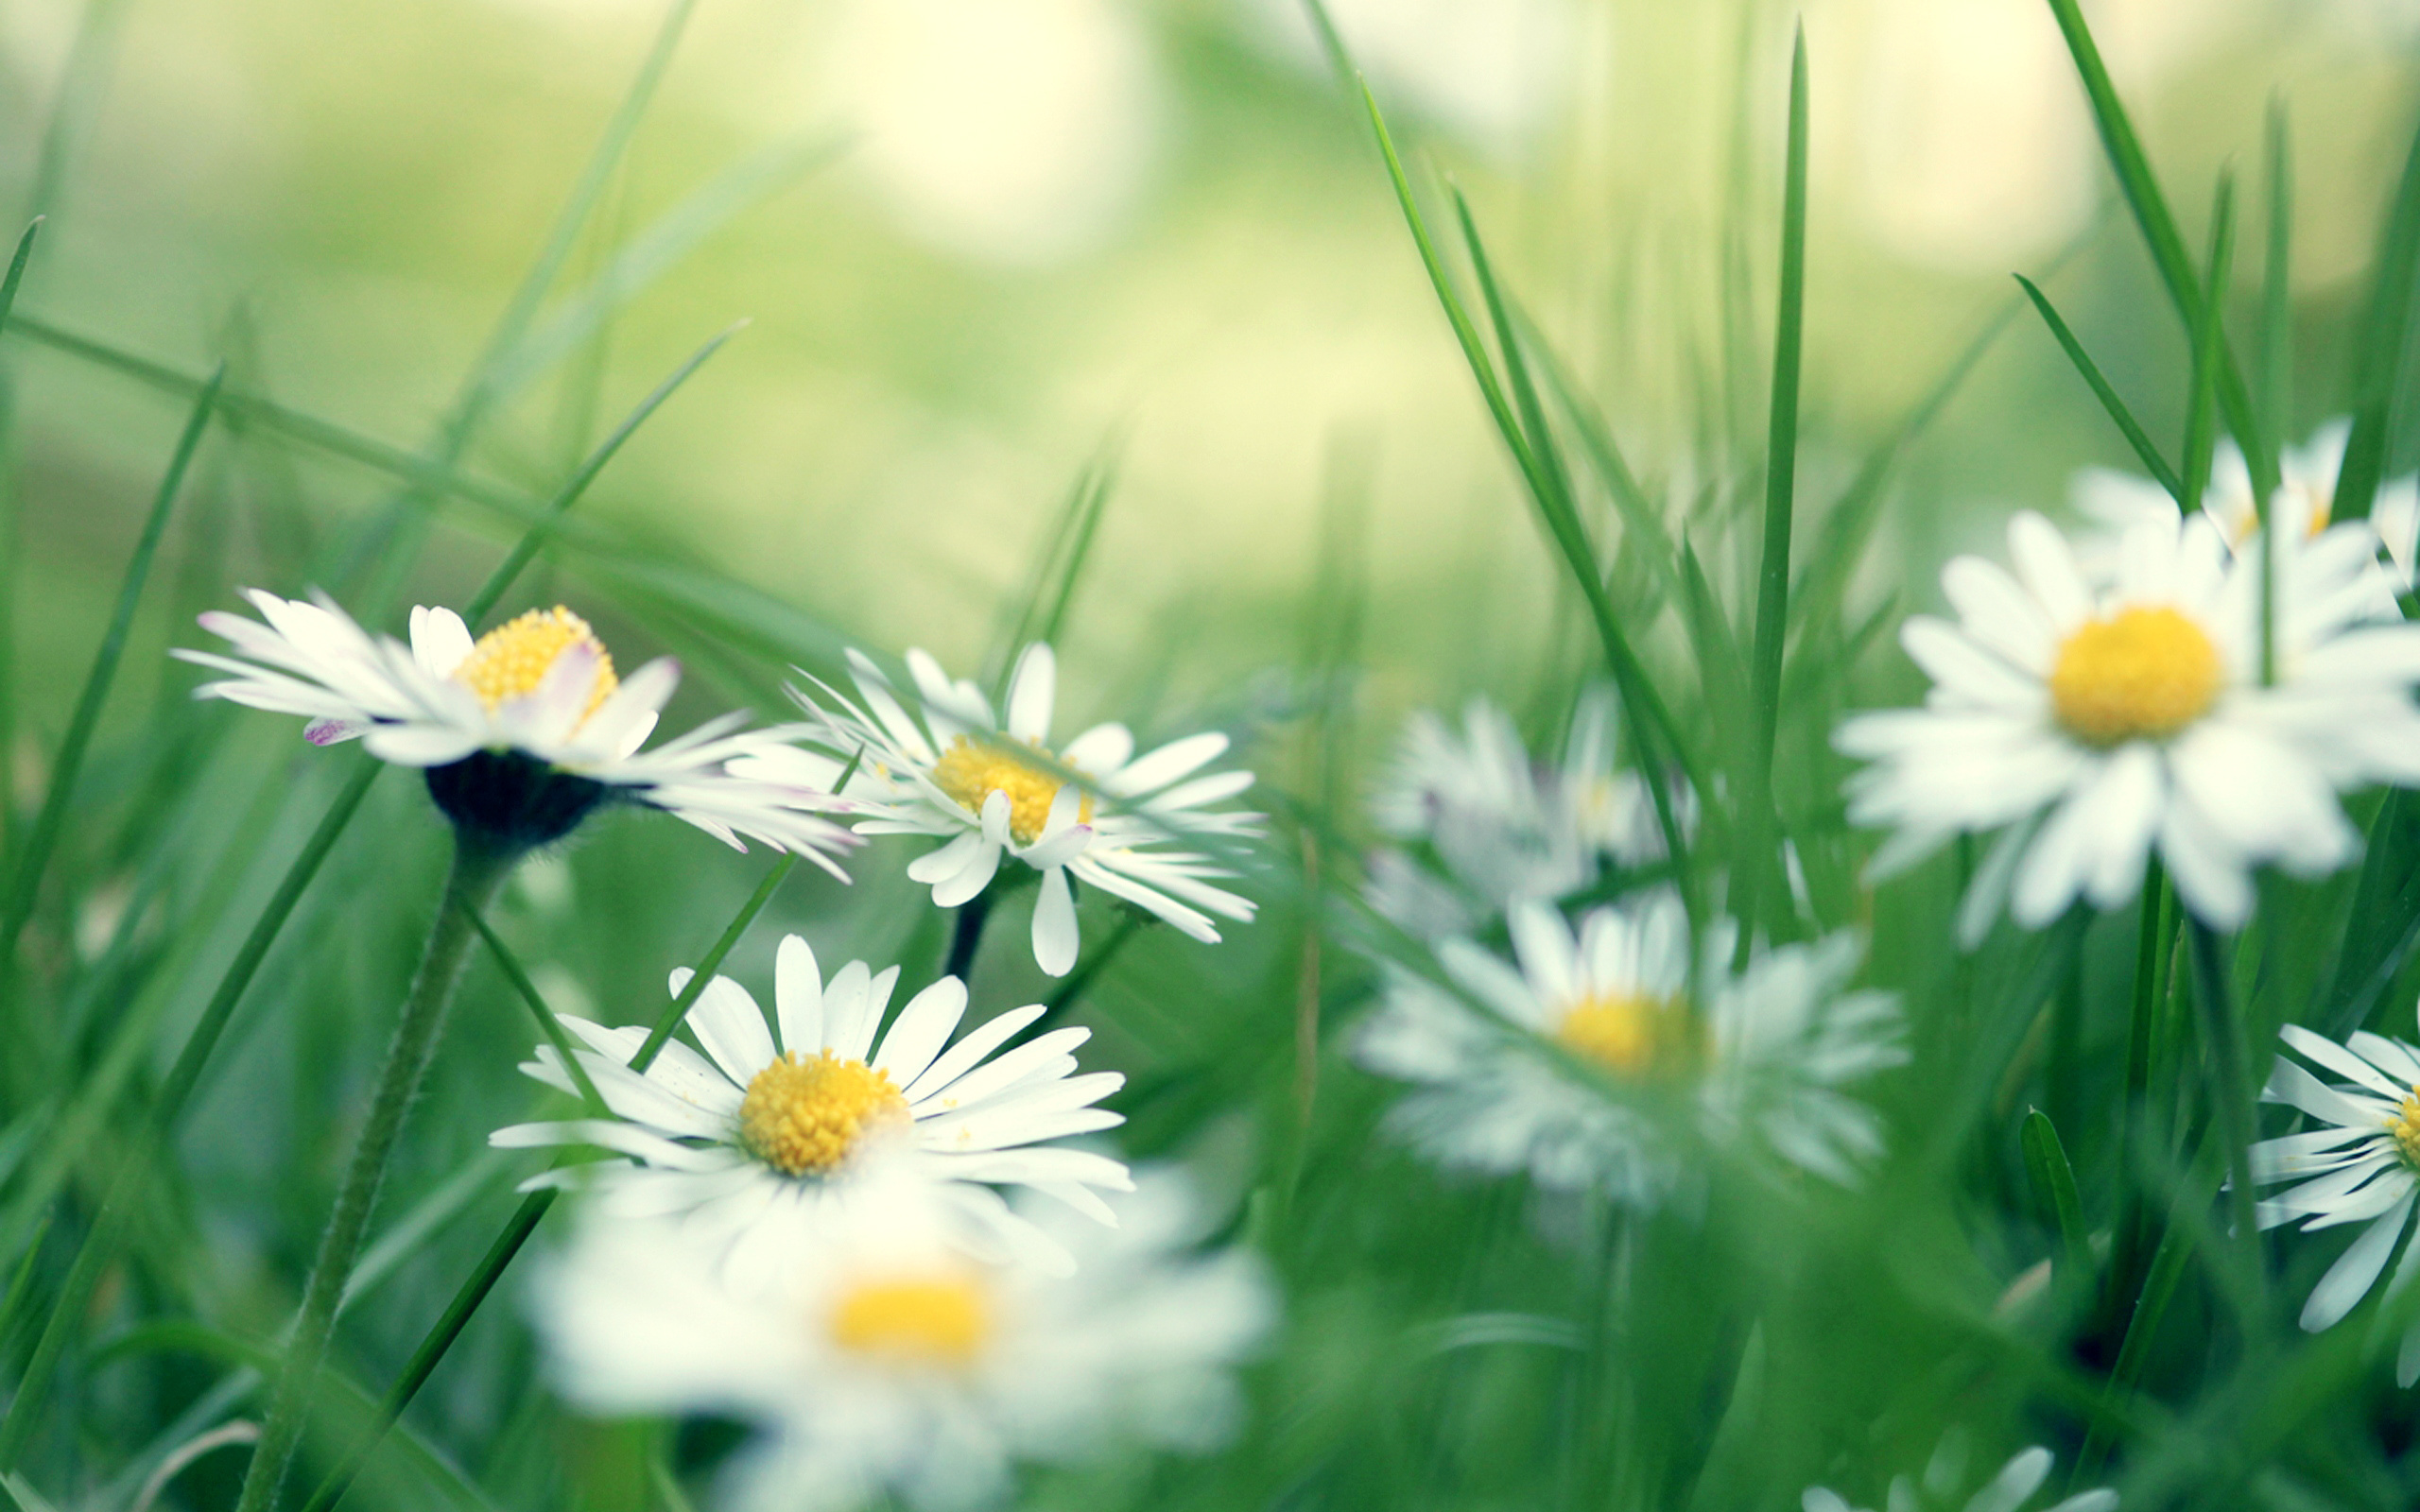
(473, 882)
(968, 935)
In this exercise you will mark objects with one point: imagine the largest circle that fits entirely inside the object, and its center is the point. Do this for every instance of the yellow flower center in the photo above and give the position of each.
(512, 659)
(927, 1320)
(1625, 1033)
(971, 770)
(2405, 1126)
(2140, 673)
(805, 1115)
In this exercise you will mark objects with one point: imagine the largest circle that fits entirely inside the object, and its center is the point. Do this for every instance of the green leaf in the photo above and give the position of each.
(2054, 1188)
(2146, 450)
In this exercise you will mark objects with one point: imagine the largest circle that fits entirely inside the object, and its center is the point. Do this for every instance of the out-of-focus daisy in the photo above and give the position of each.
(2359, 1168)
(2090, 723)
(1090, 810)
(759, 1124)
(883, 1361)
(1945, 1481)
(1764, 1055)
(1502, 827)
(2306, 496)
(522, 733)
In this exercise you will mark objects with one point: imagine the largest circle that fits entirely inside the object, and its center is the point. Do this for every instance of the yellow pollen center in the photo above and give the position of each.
(1624, 1033)
(929, 1320)
(2405, 1126)
(512, 659)
(2140, 673)
(971, 770)
(803, 1115)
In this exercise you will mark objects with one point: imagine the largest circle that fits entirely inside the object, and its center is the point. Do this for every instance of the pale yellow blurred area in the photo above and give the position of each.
(1057, 222)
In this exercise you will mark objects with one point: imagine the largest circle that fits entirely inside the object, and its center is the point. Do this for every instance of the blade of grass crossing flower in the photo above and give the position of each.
(2146, 450)
(550, 1028)
(2379, 349)
(1761, 824)
(521, 556)
(2276, 347)
(2174, 264)
(525, 1220)
(2054, 1188)
(27, 883)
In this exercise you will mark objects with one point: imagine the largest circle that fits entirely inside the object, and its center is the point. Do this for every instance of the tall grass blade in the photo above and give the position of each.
(1761, 824)
(2146, 450)
(2276, 347)
(526, 1218)
(2379, 349)
(550, 1028)
(2054, 1186)
(2209, 340)
(11, 512)
(26, 884)
(1641, 519)
(1041, 610)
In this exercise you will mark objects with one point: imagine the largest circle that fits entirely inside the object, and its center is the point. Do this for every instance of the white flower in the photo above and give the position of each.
(2306, 497)
(522, 733)
(1093, 811)
(883, 1361)
(2092, 724)
(2358, 1169)
(1944, 1477)
(1764, 1055)
(1503, 827)
(753, 1126)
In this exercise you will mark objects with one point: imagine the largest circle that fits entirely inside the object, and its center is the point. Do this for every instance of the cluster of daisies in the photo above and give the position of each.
(888, 1239)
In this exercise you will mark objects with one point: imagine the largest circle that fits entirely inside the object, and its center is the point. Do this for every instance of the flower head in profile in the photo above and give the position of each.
(1945, 1481)
(991, 789)
(2306, 497)
(1498, 826)
(522, 733)
(2091, 725)
(2357, 1167)
(882, 1361)
(794, 1116)
(1762, 1054)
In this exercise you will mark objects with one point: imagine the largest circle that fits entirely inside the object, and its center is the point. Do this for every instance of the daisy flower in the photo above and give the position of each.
(522, 733)
(2305, 495)
(2092, 724)
(1091, 810)
(1764, 1055)
(882, 1361)
(1502, 827)
(2358, 1168)
(1944, 1479)
(788, 1116)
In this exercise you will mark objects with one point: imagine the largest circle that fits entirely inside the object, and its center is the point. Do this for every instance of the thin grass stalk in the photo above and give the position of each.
(549, 1028)
(499, 1257)
(2154, 937)
(10, 518)
(2378, 354)
(475, 875)
(1761, 819)
(2146, 450)
(27, 886)
(2231, 1086)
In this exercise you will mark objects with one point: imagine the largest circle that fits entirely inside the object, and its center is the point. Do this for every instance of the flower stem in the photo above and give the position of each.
(468, 887)
(968, 935)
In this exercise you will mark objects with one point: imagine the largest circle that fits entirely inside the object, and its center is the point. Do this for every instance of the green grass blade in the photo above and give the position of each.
(2146, 450)
(1722, 674)
(2140, 186)
(549, 1028)
(2210, 341)
(2054, 1186)
(577, 483)
(526, 1218)
(1643, 522)
(26, 884)
(1750, 865)
(2276, 347)
(1051, 588)
(2378, 350)
(11, 508)
(2142, 1324)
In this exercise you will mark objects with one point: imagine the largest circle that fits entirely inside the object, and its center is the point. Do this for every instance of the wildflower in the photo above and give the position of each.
(758, 1124)
(880, 1360)
(1502, 828)
(1090, 810)
(2360, 1168)
(1945, 1478)
(2090, 723)
(1763, 1054)
(2306, 496)
(522, 733)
